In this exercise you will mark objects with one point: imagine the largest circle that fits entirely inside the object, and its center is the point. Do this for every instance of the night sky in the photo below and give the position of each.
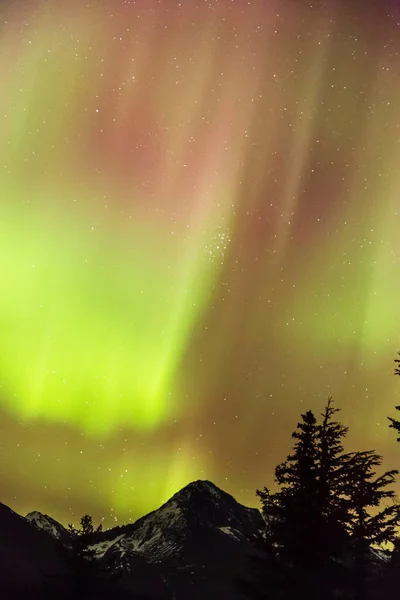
(199, 240)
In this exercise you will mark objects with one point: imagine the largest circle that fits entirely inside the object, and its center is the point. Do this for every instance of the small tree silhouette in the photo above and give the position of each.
(82, 556)
(83, 537)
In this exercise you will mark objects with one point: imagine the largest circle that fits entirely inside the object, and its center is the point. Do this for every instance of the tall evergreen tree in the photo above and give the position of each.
(311, 519)
(368, 524)
(333, 465)
(394, 423)
(392, 574)
(292, 515)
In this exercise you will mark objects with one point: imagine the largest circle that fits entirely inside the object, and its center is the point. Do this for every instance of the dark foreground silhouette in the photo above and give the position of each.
(328, 531)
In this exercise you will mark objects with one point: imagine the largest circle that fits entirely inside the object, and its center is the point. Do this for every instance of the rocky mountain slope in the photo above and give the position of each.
(195, 546)
(27, 554)
(46, 523)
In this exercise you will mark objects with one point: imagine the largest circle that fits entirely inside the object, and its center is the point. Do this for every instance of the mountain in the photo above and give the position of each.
(46, 523)
(195, 546)
(27, 555)
(199, 510)
(199, 541)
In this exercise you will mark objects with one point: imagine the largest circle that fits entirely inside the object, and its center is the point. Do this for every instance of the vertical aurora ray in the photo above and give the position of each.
(140, 315)
(198, 239)
(101, 307)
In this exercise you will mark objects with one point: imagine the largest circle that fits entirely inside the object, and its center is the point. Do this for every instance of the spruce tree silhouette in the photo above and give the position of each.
(83, 536)
(394, 424)
(321, 512)
(333, 467)
(291, 513)
(369, 525)
(332, 464)
(392, 582)
(78, 580)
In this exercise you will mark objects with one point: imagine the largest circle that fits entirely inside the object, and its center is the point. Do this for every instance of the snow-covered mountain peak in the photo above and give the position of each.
(198, 509)
(48, 524)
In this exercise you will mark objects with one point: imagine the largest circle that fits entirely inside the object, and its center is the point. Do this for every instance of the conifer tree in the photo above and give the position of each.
(310, 518)
(292, 513)
(83, 536)
(77, 582)
(81, 556)
(392, 577)
(394, 423)
(333, 466)
(332, 463)
(328, 506)
(368, 523)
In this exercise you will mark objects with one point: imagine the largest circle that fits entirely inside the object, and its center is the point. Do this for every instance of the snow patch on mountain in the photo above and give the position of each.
(41, 521)
(232, 532)
(156, 534)
(101, 548)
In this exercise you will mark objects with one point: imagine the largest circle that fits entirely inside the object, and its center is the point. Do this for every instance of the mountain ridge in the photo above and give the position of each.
(193, 546)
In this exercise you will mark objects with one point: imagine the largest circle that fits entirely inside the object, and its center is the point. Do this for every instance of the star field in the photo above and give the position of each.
(199, 240)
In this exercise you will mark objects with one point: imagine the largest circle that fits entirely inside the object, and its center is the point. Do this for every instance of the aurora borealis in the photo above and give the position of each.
(199, 240)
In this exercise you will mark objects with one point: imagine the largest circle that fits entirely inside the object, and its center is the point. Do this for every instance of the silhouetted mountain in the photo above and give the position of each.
(199, 509)
(27, 555)
(199, 538)
(46, 523)
(194, 546)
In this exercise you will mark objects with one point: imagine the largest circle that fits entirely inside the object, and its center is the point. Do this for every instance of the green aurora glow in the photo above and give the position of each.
(198, 240)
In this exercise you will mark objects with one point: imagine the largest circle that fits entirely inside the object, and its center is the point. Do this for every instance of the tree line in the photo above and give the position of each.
(329, 525)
